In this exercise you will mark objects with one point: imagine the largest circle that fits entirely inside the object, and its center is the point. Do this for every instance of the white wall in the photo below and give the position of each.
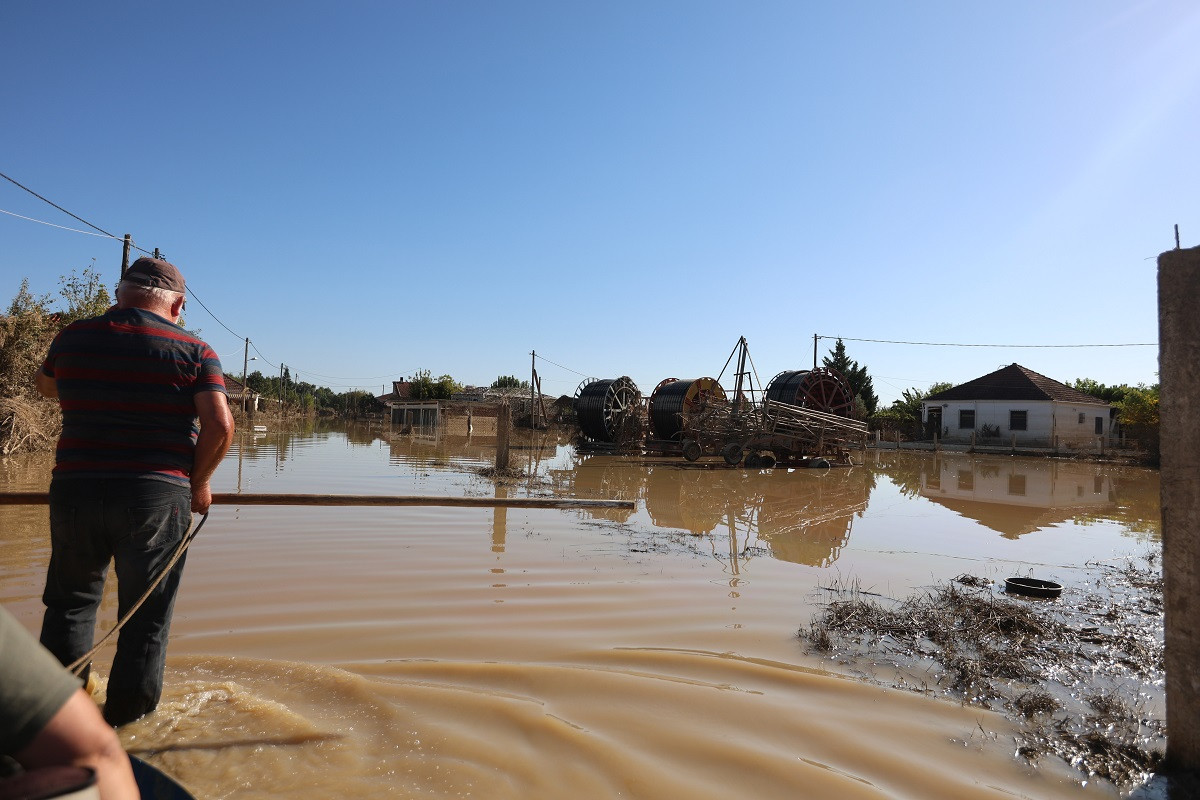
(1044, 419)
(1068, 427)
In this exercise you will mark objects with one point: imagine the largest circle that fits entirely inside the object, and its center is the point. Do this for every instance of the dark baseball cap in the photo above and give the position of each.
(155, 272)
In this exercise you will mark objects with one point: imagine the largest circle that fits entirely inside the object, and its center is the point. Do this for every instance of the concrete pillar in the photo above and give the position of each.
(1179, 412)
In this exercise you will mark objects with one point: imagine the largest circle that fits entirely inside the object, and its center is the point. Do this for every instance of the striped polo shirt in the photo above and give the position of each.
(126, 384)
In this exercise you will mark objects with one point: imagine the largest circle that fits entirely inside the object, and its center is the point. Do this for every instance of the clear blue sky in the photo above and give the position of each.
(365, 189)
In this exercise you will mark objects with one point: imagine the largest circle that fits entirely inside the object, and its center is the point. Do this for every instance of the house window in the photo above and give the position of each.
(966, 480)
(1082, 417)
(1017, 420)
(966, 418)
(1016, 484)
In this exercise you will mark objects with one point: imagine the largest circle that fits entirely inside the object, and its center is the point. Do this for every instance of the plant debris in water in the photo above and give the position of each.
(1073, 674)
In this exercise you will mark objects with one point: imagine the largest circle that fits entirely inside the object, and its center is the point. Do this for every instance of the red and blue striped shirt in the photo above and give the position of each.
(126, 384)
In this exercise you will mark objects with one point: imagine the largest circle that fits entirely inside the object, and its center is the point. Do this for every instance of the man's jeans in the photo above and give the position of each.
(138, 523)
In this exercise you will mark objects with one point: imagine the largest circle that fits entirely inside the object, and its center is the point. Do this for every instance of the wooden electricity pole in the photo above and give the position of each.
(245, 363)
(125, 254)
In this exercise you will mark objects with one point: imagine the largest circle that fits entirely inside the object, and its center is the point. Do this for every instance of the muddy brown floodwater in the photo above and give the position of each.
(543, 654)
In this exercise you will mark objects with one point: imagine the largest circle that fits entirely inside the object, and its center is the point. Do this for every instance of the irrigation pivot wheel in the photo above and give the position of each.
(619, 402)
(825, 389)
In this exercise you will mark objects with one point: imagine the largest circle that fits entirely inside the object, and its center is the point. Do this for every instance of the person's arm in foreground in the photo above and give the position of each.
(216, 434)
(46, 385)
(78, 736)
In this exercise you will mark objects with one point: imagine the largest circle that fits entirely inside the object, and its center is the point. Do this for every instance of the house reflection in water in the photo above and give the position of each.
(1016, 496)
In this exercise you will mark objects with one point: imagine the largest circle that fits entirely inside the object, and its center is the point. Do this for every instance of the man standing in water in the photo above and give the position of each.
(129, 468)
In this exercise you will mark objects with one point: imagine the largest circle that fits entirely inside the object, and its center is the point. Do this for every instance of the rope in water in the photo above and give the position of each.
(80, 664)
(43, 498)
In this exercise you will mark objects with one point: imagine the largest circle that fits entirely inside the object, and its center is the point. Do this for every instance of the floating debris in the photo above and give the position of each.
(1074, 674)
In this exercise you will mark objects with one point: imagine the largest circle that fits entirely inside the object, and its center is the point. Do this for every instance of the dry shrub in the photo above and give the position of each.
(992, 648)
(1035, 703)
(28, 424)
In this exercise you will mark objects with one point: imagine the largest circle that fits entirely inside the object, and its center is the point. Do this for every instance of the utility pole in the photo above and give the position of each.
(814, 351)
(1179, 337)
(125, 254)
(281, 389)
(245, 363)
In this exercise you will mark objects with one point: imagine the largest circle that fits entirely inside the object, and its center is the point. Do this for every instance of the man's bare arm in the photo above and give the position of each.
(216, 434)
(78, 736)
(46, 386)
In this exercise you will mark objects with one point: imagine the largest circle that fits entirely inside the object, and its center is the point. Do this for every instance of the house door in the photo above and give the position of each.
(933, 423)
(1099, 426)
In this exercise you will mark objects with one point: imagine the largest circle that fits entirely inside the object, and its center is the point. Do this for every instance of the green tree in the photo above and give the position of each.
(904, 414)
(509, 382)
(1109, 394)
(1138, 413)
(31, 322)
(84, 294)
(25, 333)
(861, 385)
(425, 387)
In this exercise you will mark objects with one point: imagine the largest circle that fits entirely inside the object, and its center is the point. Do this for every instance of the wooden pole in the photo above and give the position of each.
(266, 499)
(245, 363)
(503, 423)
(125, 254)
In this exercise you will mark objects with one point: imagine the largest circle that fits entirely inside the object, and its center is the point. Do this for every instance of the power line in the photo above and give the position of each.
(211, 314)
(560, 366)
(190, 290)
(60, 208)
(960, 344)
(52, 225)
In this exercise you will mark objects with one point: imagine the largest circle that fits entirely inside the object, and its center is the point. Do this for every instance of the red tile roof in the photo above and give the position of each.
(1015, 382)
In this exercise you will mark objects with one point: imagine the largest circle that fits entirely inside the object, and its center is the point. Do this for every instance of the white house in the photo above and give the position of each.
(1016, 404)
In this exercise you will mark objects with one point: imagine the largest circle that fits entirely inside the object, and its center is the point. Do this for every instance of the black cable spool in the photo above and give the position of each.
(603, 405)
(821, 389)
(674, 401)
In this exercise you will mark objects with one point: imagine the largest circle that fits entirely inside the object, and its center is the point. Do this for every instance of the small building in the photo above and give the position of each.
(1016, 405)
(242, 397)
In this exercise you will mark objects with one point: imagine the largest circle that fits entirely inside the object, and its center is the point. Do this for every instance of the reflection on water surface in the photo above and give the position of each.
(454, 652)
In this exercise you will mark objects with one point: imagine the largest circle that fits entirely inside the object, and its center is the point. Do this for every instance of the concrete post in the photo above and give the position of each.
(1179, 412)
